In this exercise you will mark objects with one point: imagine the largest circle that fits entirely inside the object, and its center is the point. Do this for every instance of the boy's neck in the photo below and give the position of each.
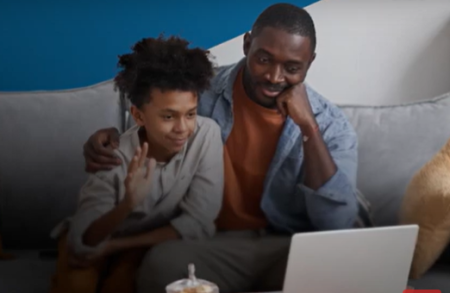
(154, 150)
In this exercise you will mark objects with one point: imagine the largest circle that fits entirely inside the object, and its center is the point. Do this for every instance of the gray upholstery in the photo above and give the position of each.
(437, 278)
(27, 274)
(42, 165)
(41, 169)
(395, 142)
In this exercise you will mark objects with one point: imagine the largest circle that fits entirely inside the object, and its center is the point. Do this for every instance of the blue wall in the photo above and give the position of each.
(50, 44)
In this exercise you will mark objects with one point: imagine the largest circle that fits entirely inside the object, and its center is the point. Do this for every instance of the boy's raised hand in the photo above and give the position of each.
(139, 178)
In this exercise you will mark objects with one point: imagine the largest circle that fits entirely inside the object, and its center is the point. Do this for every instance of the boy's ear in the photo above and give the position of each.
(137, 114)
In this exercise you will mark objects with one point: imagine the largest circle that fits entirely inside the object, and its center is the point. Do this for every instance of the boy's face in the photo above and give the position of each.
(169, 120)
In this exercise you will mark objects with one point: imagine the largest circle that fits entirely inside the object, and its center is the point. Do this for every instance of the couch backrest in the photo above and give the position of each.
(42, 165)
(41, 157)
(394, 143)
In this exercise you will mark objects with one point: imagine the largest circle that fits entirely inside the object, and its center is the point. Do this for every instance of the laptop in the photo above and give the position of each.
(363, 260)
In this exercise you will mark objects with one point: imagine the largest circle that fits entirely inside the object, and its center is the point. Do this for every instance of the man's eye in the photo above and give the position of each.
(263, 59)
(293, 69)
(191, 115)
(168, 117)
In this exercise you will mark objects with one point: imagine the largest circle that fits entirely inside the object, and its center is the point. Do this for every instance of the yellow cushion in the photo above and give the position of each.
(427, 203)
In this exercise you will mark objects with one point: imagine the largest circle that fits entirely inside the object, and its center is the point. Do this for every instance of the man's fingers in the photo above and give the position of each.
(90, 154)
(105, 151)
(101, 154)
(101, 141)
(114, 138)
(92, 166)
(281, 104)
(96, 153)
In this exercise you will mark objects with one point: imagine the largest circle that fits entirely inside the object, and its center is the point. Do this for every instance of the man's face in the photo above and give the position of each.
(276, 60)
(169, 119)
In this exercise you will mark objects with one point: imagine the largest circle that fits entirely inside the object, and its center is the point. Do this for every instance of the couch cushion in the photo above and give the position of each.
(394, 142)
(438, 278)
(27, 273)
(41, 154)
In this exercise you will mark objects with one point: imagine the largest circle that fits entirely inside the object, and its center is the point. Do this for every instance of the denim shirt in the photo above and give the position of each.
(290, 206)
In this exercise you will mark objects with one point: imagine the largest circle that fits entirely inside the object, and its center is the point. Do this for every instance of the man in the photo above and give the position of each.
(290, 160)
(169, 185)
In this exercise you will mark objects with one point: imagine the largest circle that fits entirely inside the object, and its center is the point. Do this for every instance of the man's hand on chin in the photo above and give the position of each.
(294, 102)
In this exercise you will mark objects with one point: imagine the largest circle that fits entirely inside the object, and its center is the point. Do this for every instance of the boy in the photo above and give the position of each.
(170, 182)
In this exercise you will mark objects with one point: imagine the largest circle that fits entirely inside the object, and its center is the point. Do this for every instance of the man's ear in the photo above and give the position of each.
(137, 114)
(312, 60)
(247, 43)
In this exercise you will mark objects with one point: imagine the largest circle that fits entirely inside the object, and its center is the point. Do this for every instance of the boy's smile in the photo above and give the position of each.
(169, 120)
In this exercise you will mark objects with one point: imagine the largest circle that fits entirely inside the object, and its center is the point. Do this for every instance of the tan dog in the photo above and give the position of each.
(427, 203)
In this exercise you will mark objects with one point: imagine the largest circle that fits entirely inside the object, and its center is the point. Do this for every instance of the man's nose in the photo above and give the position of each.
(275, 75)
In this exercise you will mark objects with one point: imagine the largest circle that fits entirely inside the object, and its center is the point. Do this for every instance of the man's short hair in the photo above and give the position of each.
(289, 18)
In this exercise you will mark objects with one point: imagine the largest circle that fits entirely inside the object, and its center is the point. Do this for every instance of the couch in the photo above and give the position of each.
(42, 168)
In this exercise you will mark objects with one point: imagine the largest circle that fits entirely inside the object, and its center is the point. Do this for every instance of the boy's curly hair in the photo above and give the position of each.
(166, 64)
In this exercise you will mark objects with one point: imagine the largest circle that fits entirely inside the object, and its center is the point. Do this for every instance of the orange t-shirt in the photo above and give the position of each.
(248, 153)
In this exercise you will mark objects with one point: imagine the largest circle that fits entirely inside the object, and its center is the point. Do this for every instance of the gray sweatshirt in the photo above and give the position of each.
(186, 192)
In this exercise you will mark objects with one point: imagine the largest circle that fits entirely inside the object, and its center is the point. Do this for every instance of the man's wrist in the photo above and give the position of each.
(309, 131)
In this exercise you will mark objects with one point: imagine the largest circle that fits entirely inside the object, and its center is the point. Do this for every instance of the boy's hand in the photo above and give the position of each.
(139, 178)
(89, 260)
(98, 151)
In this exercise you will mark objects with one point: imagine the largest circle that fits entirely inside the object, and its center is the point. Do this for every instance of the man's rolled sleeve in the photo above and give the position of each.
(334, 205)
(202, 204)
(97, 197)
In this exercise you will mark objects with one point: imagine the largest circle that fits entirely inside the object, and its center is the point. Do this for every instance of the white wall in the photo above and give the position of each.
(372, 52)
